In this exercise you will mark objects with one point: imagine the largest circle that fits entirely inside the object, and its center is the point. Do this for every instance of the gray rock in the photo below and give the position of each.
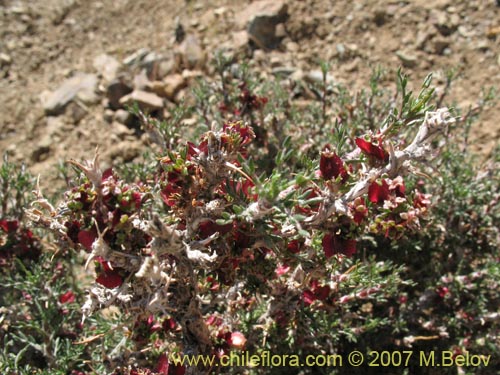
(172, 84)
(76, 111)
(82, 87)
(42, 149)
(5, 59)
(445, 23)
(116, 90)
(124, 117)
(283, 71)
(108, 115)
(240, 40)
(147, 101)
(190, 54)
(107, 66)
(136, 57)
(121, 130)
(408, 60)
(316, 76)
(261, 19)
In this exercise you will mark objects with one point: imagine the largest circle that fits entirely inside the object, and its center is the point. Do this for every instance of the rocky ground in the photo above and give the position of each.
(68, 67)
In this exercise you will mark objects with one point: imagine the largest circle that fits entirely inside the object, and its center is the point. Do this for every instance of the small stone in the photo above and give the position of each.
(219, 12)
(440, 44)
(77, 112)
(316, 76)
(147, 101)
(445, 23)
(190, 54)
(123, 117)
(491, 33)
(482, 45)
(116, 90)
(55, 126)
(141, 80)
(42, 149)
(341, 50)
(108, 115)
(121, 130)
(107, 66)
(172, 84)
(81, 86)
(155, 87)
(5, 60)
(190, 75)
(283, 71)
(150, 63)
(408, 60)
(136, 57)
(240, 40)
(353, 66)
(292, 47)
(261, 19)
(280, 31)
(423, 36)
(124, 151)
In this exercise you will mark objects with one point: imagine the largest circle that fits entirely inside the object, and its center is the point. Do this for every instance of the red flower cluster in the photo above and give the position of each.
(374, 150)
(332, 166)
(249, 101)
(337, 244)
(316, 292)
(17, 241)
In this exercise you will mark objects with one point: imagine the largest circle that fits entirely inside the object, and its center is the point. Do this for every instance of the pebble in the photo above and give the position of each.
(190, 54)
(147, 101)
(172, 84)
(408, 60)
(5, 59)
(81, 86)
(261, 18)
(107, 66)
(135, 57)
(124, 117)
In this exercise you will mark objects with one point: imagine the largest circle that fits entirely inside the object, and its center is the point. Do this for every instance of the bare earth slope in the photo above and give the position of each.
(45, 42)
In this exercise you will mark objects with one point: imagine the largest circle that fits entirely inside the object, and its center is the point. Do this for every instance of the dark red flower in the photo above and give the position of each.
(9, 226)
(162, 365)
(87, 238)
(442, 291)
(335, 244)
(68, 297)
(308, 297)
(332, 166)
(378, 193)
(322, 292)
(110, 279)
(294, 246)
(168, 324)
(208, 227)
(107, 174)
(244, 132)
(170, 194)
(360, 210)
(371, 149)
(421, 200)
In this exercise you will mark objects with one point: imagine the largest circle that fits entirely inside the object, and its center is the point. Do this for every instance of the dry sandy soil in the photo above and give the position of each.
(45, 42)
